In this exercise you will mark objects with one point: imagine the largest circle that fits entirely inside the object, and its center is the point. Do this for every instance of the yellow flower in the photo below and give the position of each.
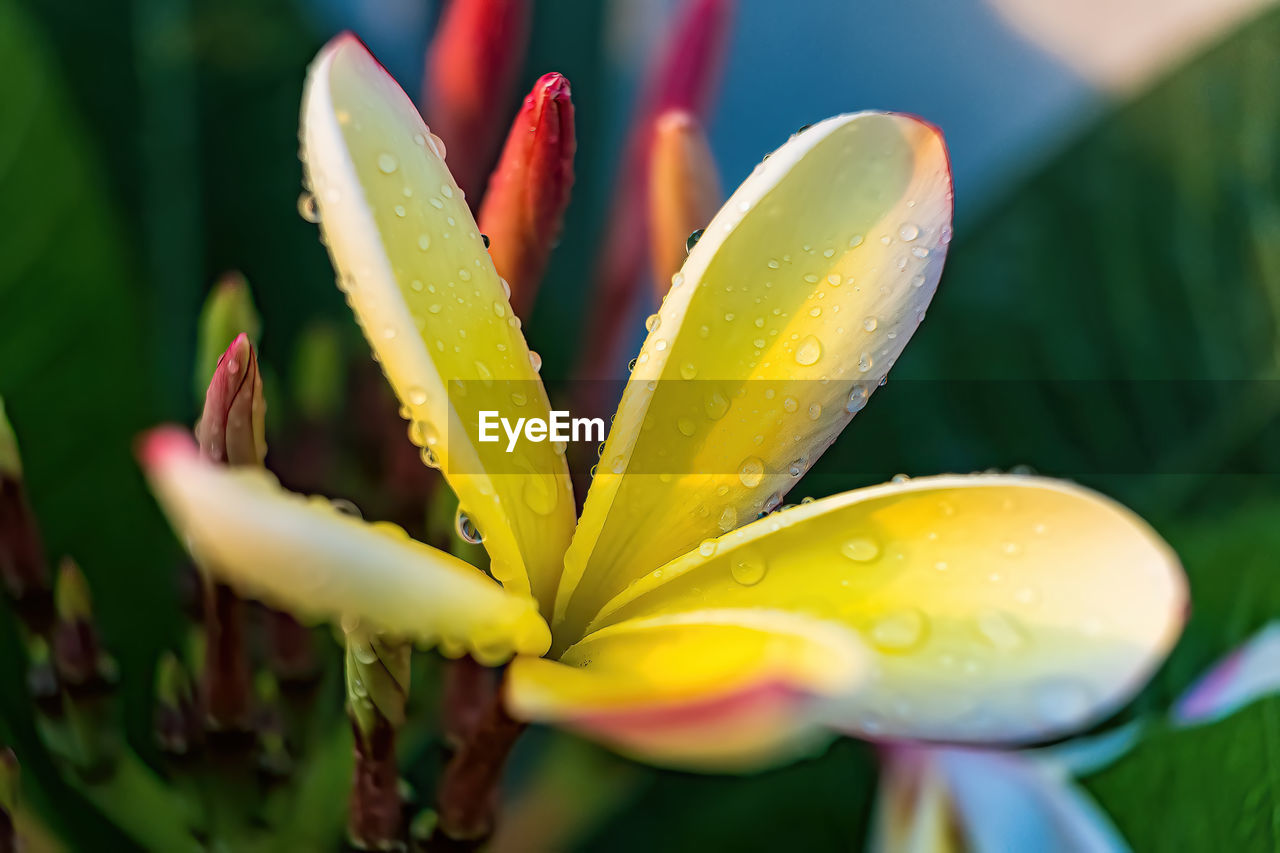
(961, 608)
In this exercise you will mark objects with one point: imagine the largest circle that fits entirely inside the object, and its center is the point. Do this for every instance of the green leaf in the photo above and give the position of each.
(1115, 319)
(73, 372)
(1214, 787)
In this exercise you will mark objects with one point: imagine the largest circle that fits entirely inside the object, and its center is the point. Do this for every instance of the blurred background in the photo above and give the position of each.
(1110, 310)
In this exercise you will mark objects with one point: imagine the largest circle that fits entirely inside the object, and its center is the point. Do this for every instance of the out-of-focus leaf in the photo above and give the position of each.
(1118, 315)
(72, 366)
(1216, 787)
(824, 804)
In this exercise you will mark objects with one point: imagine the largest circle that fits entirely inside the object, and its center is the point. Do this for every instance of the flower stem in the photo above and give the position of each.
(377, 687)
(468, 794)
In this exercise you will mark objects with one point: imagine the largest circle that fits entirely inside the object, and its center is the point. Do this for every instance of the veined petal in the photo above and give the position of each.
(416, 272)
(305, 556)
(998, 608)
(1247, 674)
(787, 314)
(703, 689)
(986, 802)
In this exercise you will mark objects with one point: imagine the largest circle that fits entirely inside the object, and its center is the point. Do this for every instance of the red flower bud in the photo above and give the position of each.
(524, 206)
(685, 78)
(472, 66)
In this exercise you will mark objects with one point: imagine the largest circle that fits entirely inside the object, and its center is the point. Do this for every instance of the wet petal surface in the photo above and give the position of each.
(306, 556)
(706, 689)
(414, 267)
(787, 314)
(998, 608)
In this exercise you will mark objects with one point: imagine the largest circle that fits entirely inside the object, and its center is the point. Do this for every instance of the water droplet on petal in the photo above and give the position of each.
(307, 208)
(860, 549)
(809, 351)
(466, 528)
(751, 472)
(747, 570)
(693, 240)
(898, 631)
(535, 360)
(707, 547)
(387, 163)
(1000, 630)
(908, 232)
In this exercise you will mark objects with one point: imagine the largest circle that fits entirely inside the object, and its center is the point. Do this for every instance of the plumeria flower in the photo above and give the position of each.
(957, 798)
(944, 797)
(1247, 674)
(671, 620)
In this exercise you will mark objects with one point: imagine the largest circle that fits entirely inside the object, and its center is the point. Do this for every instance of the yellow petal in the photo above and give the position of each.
(305, 556)
(425, 291)
(787, 314)
(997, 608)
(706, 689)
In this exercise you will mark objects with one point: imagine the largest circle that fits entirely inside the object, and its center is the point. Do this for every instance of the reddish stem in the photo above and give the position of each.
(374, 821)
(468, 795)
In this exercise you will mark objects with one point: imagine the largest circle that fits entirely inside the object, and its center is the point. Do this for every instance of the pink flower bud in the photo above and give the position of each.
(524, 206)
(685, 78)
(232, 428)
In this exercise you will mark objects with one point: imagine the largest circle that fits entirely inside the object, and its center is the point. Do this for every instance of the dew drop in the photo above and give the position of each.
(751, 471)
(686, 426)
(908, 232)
(870, 324)
(728, 519)
(898, 631)
(860, 549)
(693, 240)
(1000, 630)
(466, 528)
(809, 351)
(707, 547)
(346, 507)
(857, 400)
(748, 571)
(716, 405)
(535, 360)
(307, 208)
(387, 163)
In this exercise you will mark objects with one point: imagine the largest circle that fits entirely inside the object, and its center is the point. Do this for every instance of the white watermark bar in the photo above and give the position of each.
(1067, 428)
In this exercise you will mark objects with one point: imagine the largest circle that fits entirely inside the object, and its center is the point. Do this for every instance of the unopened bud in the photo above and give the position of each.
(318, 373)
(77, 650)
(524, 206)
(8, 801)
(177, 721)
(684, 191)
(22, 564)
(233, 427)
(228, 311)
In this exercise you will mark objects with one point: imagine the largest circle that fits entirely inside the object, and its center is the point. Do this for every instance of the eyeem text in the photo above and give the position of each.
(559, 427)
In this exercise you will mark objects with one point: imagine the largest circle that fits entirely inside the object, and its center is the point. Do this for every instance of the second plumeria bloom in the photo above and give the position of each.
(963, 608)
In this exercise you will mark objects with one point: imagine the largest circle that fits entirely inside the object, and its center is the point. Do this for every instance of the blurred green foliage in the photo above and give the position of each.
(150, 146)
